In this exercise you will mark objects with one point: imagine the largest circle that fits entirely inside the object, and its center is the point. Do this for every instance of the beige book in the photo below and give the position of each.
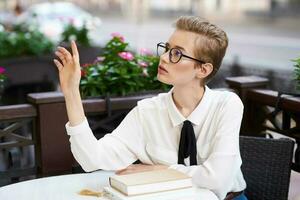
(150, 182)
(180, 194)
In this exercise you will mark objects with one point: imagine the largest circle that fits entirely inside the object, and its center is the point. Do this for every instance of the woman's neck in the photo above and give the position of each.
(187, 99)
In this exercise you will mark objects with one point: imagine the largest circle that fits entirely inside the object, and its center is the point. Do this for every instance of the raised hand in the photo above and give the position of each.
(69, 77)
(69, 69)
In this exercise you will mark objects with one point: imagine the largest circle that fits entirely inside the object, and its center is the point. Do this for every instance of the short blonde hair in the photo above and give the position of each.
(211, 45)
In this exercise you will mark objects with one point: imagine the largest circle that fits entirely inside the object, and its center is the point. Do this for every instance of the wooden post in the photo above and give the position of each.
(241, 84)
(55, 156)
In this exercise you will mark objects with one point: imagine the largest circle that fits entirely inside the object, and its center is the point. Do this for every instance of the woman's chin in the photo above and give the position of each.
(163, 79)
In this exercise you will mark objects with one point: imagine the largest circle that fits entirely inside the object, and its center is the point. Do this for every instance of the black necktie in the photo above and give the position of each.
(187, 144)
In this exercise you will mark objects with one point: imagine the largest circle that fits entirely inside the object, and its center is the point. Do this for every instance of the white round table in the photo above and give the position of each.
(66, 187)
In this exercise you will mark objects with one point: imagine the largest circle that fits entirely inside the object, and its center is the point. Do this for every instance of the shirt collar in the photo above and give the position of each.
(196, 116)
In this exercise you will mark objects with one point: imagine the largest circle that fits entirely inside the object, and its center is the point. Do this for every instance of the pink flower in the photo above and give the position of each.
(118, 35)
(143, 64)
(145, 52)
(126, 55)
(2, 70)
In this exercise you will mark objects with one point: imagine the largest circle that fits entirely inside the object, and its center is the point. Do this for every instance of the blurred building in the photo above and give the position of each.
(141, 9)
(264, 34)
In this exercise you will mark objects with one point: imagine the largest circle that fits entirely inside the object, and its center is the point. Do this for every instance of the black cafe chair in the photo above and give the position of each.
(266, 167)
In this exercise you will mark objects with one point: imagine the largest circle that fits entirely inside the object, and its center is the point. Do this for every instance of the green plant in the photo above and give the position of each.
(297, 72)
(120, 72)
(80, 35)
(23, 42)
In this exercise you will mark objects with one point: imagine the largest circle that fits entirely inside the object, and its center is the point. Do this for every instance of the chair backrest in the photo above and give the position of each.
(266, 167)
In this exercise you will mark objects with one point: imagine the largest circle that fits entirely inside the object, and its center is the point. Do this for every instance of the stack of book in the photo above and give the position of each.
(151, 185)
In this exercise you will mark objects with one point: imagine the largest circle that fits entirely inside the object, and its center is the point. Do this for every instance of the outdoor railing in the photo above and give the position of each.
(47, 117)
(51, 144)
(17, 140)
(267, 111)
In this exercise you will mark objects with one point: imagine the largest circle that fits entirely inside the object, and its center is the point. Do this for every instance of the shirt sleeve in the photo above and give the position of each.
(112, 152)
(217, 173)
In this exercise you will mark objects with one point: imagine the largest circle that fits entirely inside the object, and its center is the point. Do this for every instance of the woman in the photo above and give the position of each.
(191, 128)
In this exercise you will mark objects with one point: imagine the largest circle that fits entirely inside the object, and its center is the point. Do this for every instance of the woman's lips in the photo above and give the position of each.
(161, 69)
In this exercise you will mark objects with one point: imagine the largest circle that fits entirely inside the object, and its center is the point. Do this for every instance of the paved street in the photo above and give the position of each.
(271, 46)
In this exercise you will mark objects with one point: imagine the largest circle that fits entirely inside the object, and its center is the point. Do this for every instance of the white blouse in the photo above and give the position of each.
(151, 133)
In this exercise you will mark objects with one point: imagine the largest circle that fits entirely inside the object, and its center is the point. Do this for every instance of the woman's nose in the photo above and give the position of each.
(165, 57)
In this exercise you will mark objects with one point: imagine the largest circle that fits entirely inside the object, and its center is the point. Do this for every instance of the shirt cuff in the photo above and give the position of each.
(78, 129)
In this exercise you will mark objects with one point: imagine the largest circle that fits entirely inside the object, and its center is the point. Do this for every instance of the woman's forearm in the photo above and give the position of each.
(74, 107)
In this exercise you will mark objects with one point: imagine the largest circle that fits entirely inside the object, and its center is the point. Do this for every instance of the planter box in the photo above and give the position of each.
(35, 74)
(28, 74)
(36, 69)
(27, 70)
(88, 54)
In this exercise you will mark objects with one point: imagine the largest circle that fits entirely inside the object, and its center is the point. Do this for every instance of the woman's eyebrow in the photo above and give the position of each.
(176, 46)
(179, 47)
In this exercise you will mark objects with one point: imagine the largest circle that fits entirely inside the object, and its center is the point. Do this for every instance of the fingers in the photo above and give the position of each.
(134, 168)
(124, 172)
(75, 51)
(121, 172)
(58, 65)
(66, 57)
(61, 57)
(66, 54)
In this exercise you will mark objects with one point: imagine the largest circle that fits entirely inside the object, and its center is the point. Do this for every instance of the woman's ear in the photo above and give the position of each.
(204, 70)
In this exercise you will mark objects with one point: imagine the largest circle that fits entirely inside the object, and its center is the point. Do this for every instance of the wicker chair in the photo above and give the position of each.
(266, 167)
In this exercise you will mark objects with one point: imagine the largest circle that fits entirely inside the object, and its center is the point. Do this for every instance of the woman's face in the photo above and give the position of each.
(183, 72)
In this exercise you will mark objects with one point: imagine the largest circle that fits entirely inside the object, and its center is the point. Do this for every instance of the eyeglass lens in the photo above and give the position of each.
(174, 54)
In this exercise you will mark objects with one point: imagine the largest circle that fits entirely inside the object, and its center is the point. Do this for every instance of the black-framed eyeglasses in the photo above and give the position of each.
(175, 54)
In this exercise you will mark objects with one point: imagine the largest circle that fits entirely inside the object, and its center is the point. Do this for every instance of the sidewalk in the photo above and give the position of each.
(270, 44)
